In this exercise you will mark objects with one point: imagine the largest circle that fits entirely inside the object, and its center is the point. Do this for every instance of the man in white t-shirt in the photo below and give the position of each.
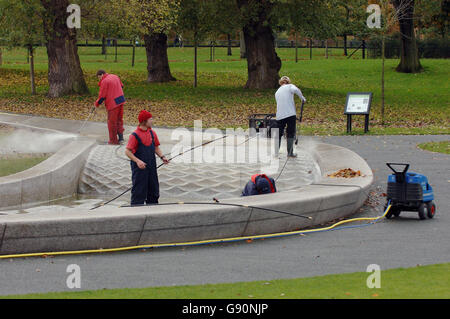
(286, 112)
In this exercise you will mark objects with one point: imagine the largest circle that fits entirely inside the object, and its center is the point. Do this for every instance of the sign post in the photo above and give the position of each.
(358, 103)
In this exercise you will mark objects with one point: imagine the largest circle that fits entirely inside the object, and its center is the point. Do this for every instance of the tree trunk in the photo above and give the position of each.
(229, 52)
(65, 75)
(326, 49)
(115, 50)
(33, 85)
(157, 60)
(296, 48)
(103, 45)
(383, 54)
(195, 60)
(409, 59)
(263, 63)
(211, 51)
(363, 49)
(133, 57)
(345, 45)
(1, 58)
(347, 19)
(243, 52)
(310, 49)
(443, 19)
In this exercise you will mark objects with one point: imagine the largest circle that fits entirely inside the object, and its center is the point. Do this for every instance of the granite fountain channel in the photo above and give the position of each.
(82, 173)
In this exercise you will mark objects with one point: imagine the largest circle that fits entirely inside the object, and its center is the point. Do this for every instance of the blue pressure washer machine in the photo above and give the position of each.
(408, 191)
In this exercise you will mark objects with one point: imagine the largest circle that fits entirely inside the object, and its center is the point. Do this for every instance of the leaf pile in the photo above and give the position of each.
(346, 173)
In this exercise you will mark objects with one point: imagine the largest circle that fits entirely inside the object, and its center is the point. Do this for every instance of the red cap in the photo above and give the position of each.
(144, 116)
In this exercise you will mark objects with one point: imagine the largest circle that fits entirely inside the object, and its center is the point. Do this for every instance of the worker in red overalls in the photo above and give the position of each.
(111, 91)
(142, 148)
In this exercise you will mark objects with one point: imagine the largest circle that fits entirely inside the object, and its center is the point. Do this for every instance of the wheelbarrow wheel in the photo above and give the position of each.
(431, 209)
(421, 211)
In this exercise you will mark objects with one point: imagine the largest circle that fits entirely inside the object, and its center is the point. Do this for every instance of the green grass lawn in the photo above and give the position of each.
(429, 282)
(15, 165)
(439, 147)
(415, 103)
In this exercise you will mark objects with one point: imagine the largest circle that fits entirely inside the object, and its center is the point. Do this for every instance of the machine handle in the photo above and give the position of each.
(398, 164)
(300, 118)
(252, 116)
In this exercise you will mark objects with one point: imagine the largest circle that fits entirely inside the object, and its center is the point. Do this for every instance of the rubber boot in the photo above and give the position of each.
(120, 138)
(290, 147)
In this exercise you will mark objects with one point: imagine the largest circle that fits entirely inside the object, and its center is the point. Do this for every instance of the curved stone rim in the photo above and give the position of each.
(43, 182)
(110, 227)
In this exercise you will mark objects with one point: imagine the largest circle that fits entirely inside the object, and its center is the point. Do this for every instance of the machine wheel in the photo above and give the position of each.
(431, 209)
(421, 211)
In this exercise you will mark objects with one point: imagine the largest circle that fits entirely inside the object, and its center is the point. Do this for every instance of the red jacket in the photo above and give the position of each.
(110, 91)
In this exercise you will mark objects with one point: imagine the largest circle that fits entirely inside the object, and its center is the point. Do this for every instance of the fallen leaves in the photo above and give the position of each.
(220, 101)
(166, 113)
(376, 198)
(346, 173)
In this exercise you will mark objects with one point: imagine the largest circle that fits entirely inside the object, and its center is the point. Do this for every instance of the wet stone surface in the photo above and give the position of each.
(107, 171)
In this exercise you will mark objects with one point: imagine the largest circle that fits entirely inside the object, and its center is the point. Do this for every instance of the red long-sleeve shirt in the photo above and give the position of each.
(111, 91)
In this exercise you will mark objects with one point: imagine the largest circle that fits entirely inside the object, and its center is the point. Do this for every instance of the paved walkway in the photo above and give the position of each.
(402, 242)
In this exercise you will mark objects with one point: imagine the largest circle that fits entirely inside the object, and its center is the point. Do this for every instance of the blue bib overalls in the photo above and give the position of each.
(145, 181)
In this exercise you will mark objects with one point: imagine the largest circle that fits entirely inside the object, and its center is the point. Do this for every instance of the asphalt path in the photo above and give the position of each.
(402, 242)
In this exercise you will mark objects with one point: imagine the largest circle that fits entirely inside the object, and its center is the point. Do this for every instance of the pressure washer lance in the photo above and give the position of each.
(181, 153)
(126, 159)
(216, 202)
(300, 119)
(87, 119)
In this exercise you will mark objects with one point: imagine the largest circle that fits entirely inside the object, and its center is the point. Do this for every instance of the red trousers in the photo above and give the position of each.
(115, 124)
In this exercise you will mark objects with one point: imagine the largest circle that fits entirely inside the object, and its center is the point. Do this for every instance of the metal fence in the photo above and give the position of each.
(428, 49)
(279, 43)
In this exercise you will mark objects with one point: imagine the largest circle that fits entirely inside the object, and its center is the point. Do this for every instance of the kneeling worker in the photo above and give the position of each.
(141, 149)
(258, 185)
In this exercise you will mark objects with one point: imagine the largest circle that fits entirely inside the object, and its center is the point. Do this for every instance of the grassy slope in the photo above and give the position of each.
(12, 166)
(418, 282)
(415, 103)
(439, 147)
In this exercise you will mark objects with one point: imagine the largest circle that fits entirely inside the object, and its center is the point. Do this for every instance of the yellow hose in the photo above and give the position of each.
(209, 241)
